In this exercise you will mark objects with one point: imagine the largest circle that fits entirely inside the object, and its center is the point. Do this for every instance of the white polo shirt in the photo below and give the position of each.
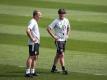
(60, 28)
(33, 25)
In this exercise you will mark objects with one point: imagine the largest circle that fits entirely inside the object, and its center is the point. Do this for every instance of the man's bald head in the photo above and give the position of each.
(37, 14)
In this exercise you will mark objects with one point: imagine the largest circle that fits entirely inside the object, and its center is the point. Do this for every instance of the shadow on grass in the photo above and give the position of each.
(17, 73)
(10, 71)
(14, 71)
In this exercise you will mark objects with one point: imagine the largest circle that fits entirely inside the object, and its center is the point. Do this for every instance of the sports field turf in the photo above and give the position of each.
(86, 50)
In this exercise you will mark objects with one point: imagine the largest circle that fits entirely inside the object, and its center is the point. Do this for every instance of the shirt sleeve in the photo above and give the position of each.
(31, 25)
(52, 25)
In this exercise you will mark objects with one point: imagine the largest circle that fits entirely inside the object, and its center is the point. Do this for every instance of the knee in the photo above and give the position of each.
(61, 55)
(33, 57)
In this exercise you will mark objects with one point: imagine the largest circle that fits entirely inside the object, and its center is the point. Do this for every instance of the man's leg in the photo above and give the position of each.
(28, 64)
(56, 58)
(62, 59)
(34, 64)
(34, 60)
(30, 61)
(55, 63)
(62, 63)
(61, 50)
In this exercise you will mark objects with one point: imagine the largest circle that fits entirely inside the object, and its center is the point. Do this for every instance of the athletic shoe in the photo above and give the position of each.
(35, 74)
(28, 75)
(65, 72)
(54, 70)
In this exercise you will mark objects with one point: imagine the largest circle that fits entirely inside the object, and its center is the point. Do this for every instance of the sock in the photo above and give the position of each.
(63, 68)
(27, 71)
(53, 67)
(33, 71)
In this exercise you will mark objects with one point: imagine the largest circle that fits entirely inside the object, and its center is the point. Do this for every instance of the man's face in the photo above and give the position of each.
(38, 16)
(61, 16)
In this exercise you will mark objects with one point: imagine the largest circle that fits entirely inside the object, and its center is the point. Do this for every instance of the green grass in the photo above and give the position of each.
(13, 68)
(86, 49)
(71, 6)
(15, 20)
(17, 74)
(75, 25)
(77, 45)
(95, 2)
(92, 36)
(90, 26)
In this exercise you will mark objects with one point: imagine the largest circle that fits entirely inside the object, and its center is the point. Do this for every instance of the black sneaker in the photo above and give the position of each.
(28, 75)
(35, 74)
(65, 72)
(54, 70)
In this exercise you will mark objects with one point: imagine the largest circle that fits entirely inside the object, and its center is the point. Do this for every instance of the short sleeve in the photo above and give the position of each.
(31, 24)
(52, 25)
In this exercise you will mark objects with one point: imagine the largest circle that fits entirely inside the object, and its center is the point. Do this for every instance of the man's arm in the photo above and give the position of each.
(51, 33)
(29, 33)
(68, 28)
(68, 31)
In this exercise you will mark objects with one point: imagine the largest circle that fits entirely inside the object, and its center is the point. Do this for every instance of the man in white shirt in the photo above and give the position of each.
(59, 30)
(33, 43)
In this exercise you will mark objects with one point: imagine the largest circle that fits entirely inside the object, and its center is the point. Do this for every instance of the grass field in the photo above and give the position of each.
(86, 50)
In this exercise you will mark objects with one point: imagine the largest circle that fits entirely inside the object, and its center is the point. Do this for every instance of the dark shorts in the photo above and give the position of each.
(34, 49)
(60, 45)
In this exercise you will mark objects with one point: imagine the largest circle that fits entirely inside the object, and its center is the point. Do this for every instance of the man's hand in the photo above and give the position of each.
(34, 40)
(52, 34)
(56, 38)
